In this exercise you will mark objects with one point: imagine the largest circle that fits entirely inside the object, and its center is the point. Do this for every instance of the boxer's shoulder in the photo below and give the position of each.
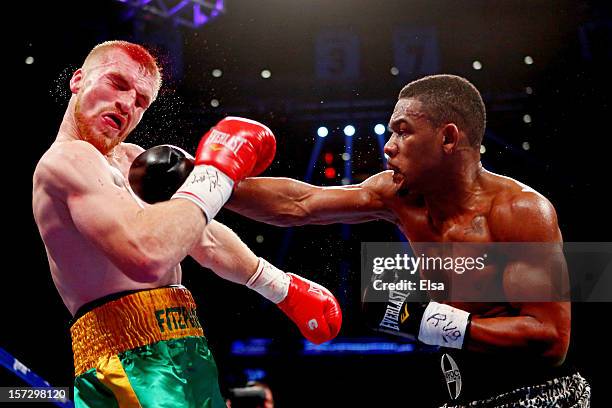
(520, 213)
(69, 153)
(382, 185)
(131, 150)
(58, 150)
(66, 165)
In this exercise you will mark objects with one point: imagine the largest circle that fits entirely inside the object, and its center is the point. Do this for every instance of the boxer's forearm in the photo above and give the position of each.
(519, 334)
(222, 251)
(276, 201)
(286, 202)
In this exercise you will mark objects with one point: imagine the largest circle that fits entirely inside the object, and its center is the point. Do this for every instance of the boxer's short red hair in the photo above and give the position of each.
(135, 51)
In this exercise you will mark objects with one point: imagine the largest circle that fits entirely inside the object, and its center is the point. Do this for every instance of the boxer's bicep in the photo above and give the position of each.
(545, 324)
(99, 209)
(529, 281)
(537, 286)
(102, 214)
(533, 325)
(535, 279)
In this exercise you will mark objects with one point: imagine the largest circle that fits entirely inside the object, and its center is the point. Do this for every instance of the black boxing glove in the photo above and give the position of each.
(158, 172)
(431, 323)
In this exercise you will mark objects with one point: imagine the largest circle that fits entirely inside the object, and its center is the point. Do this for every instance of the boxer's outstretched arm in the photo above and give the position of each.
(287, 202)
(143, 243)
(538, 272)
(312, 307)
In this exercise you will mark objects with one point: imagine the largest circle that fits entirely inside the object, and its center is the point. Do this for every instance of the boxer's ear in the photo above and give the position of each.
(75, 81)
(450, 137)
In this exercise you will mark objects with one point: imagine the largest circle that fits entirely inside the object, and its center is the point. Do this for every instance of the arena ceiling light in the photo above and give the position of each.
(322, 131)
(380, 129)
(190, 13)
(349, 130)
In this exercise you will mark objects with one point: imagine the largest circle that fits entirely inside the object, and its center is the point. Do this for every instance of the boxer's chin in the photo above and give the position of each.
(398, 178)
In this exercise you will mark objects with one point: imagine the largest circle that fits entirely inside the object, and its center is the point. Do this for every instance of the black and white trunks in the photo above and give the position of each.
(563, 392)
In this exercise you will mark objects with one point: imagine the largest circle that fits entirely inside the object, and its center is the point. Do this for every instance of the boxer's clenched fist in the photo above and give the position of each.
(229, 152)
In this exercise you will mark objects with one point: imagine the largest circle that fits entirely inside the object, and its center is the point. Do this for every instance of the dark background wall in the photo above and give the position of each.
(568, 159)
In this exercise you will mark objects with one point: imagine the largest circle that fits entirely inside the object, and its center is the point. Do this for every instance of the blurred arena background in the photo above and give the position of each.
(324, 76)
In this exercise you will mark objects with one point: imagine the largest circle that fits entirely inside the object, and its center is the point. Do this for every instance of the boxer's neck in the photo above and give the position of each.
(458, 193)
(68, 130)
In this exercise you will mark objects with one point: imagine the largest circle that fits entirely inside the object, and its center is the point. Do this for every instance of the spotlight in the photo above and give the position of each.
(528, 60)
(217, 73)
(214, 103)
(265, 74)
(349, 130)
(322, 131)
(526, 146)
(394, 71)
(483, 149)
(527, 118)
(380, 129)
(477, 65)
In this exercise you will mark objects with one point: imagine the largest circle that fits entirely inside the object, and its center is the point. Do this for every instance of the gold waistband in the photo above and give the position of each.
(131, 321)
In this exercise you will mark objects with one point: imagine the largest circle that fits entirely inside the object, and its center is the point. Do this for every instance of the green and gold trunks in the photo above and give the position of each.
(144, 349)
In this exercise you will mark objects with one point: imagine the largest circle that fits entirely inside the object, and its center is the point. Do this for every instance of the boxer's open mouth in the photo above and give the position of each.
(114, 120)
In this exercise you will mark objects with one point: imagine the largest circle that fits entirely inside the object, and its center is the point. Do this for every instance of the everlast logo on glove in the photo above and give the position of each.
(452, 376)
(392, 313)
(224, 139)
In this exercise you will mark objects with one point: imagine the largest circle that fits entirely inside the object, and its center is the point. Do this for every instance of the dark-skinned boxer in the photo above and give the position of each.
(436, 190)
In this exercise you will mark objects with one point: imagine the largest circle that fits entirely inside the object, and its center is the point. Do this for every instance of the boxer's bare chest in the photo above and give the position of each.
(459, 252)
(119, 162)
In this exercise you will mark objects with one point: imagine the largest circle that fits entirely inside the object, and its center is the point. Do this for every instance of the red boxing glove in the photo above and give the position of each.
(238, 147)
(313, 309)
(229, 152)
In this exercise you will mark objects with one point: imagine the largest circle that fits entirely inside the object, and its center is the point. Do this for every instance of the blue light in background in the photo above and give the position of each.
(339, 346)
(254, 374)
(251, 347)
(357, 347)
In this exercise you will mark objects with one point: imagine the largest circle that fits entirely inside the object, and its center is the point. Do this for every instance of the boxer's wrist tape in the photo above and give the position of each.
(269, 281)
(443, 325)
(208, 188)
